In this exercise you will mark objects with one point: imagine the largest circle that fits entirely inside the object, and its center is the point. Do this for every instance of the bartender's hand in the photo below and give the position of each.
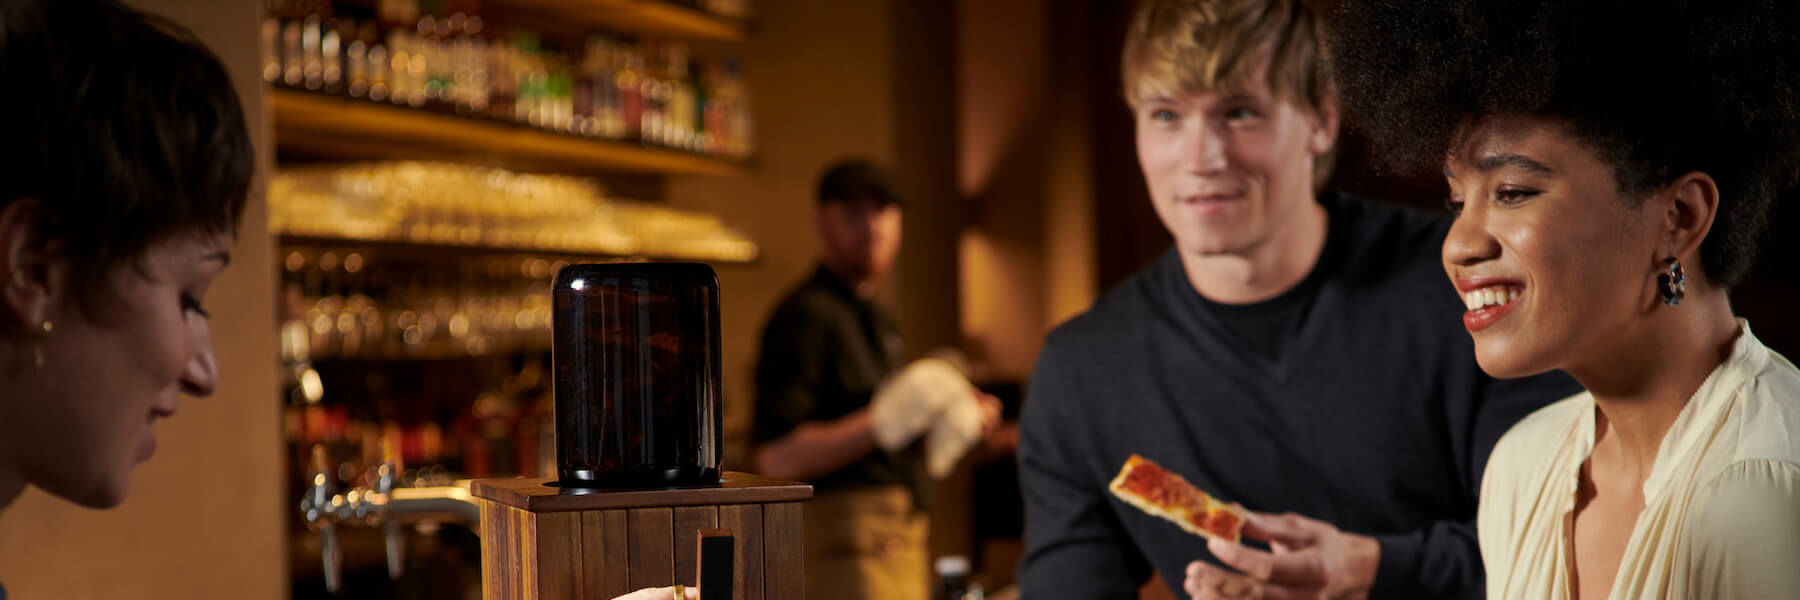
(1310, 559)
(991, 410)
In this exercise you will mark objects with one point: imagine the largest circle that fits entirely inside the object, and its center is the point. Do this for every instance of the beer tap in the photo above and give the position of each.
(320, 510)
(384, 505)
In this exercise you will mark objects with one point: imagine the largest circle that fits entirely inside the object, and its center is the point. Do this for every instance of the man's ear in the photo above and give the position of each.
(1325, 123)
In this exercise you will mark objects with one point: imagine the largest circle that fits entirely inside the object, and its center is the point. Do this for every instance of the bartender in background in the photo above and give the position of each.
(830, 408)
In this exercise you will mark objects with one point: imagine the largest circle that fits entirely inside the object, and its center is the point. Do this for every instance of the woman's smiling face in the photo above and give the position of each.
(1550, 257)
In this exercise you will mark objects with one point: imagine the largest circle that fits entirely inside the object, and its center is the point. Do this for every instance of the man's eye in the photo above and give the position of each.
(1453, 205)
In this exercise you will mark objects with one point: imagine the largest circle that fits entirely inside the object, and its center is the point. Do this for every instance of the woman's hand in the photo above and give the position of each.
(663, 593)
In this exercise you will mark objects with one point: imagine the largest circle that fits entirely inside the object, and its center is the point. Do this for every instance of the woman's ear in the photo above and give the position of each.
(25, 291)
(1692, 204)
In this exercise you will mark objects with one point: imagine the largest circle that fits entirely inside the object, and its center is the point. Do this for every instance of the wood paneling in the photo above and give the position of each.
(605, 554)
(501, 565)
(557, 549)
(746, 524)
(689, 520)
(784, 577)
(652, 547)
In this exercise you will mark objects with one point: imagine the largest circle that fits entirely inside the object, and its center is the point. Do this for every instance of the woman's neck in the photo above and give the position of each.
(1640, 393)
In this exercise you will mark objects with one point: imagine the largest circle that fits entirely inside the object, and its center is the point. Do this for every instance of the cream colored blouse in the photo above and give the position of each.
(1721, 512)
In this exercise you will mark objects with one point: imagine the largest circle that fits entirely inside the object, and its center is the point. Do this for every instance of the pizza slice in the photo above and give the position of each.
(1157, 491)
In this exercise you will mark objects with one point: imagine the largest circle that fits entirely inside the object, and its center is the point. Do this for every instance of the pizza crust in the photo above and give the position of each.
(1228, 518)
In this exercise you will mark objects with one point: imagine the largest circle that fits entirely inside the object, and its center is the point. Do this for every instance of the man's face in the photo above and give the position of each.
(861, 236)
(1228, 168)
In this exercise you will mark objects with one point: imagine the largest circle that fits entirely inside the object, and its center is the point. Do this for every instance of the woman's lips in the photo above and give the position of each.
(1488, 304)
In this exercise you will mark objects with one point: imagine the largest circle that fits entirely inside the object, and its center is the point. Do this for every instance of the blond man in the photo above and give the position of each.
(1295, 350)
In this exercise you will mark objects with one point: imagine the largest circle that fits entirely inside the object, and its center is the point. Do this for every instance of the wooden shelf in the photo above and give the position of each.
(641, 16)
(347, 128)
(429, 251)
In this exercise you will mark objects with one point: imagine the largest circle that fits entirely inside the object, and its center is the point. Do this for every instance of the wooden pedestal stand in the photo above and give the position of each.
(541, 542)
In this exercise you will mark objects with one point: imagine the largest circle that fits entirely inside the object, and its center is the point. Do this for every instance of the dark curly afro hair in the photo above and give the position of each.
(1658, 88)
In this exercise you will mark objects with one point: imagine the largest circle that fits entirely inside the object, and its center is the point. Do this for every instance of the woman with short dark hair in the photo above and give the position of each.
(1612, 165)
(124, 168)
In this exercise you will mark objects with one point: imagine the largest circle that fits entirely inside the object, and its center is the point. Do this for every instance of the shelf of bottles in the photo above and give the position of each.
(415, 75)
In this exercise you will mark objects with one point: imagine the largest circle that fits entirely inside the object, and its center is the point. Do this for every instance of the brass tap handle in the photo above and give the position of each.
(320, 509)
(387, 478)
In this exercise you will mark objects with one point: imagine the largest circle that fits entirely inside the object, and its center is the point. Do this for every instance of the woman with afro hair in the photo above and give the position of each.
(1611, 164)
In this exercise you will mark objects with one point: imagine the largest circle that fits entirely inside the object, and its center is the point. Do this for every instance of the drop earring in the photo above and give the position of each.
(1673, 284)
(37, 347)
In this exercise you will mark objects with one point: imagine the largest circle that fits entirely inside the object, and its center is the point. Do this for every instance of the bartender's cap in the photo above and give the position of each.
(855, 179)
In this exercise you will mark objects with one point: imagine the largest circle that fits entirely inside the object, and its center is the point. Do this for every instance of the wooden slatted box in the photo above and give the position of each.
(541, 542)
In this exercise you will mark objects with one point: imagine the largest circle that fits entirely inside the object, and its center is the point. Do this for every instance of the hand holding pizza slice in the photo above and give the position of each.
(1157, 491)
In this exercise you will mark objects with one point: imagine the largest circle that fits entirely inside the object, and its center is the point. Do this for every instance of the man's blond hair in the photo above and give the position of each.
(1184, 46)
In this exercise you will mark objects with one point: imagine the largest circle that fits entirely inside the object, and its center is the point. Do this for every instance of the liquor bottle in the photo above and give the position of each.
(400, 56)
(654, 96)
(460, 47)
(559, 105)
(331, 44)
(502, 80)
(713, 106)
(631, 94)
(293, 70)
(312, 61)
(741, 123)
(476, 58)
(436, 37)
(679, 119)
(381, 70)
(611, 114)
(532, 80)
(356, 60)
(271, 48)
